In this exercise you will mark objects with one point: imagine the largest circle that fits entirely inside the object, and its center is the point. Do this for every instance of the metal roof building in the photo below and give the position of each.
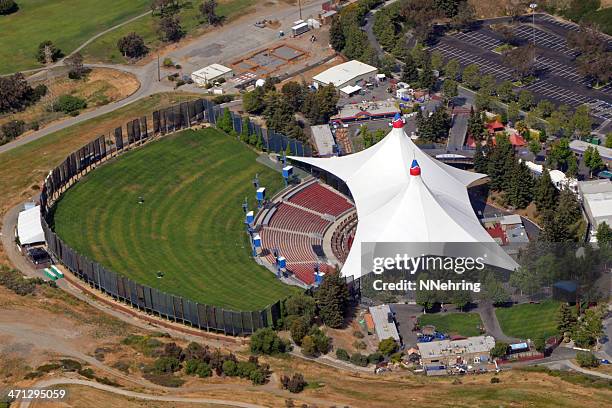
(384, 323)
(345, 74)
(597, 199)
(451, 348)
(323, 139)
(211, 73)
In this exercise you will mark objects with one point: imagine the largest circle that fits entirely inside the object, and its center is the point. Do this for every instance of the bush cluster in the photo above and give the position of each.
(15, 281)
(69, 104)
(294, 384)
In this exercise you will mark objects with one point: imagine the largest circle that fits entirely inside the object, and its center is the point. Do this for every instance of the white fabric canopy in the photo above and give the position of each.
(393, 206)
(29, 227)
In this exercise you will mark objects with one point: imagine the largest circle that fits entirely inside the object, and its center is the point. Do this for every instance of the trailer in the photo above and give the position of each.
(300, 28)
(55, 270)
(50, 274)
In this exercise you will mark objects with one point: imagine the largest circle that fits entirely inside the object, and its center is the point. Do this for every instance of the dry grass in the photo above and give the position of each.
(101, 86)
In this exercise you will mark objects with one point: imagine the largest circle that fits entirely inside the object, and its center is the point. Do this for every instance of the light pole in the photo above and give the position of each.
(533, 7)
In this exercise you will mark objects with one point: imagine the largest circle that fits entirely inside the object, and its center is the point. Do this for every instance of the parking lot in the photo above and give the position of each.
(558, 77)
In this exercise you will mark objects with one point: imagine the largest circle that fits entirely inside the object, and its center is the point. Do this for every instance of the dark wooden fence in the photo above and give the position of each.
(135, 133)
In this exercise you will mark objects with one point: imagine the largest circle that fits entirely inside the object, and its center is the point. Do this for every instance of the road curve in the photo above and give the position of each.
(166, 398)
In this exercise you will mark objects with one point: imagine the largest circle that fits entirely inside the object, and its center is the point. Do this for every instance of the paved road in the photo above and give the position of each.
(491, 324)
(569, 365)
(219, 46)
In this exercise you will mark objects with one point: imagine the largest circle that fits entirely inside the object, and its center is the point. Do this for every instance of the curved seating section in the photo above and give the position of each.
(343, 237)
(296, 232)
(290, 218)
(322, 200)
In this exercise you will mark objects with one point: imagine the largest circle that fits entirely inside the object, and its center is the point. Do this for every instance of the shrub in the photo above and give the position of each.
(342, 354)
(70, 365)
(387, 346)
(122, 366)
(168, 62)
(230, 368)
(266, 341)
(14, 280)
(495, 380)
(165, 380)
(220, 99)
(359, 334)
(244, 368)
(8, 7)
(359, 360)
(586, 359)
(13, 129)
(69, 104)
(321, 341)
(34, 125)
(360, 345)
(173, 350)
(39, 91)
(258, 376)
(375, 358)
(295, 384)
(87, 373)
(166, 365)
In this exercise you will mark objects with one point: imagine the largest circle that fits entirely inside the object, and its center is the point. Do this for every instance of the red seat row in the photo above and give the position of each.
(322, 200)
(289, 218)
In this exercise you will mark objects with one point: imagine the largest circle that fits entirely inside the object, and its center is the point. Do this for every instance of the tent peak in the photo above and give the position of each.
(415, 169)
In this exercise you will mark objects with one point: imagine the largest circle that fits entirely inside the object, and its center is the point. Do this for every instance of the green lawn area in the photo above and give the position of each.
(464, 324)
(190, 226)
(529, 321)
(68, 23)
(104, 49)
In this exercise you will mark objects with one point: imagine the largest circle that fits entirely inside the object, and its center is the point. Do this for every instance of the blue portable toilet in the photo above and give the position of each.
(250, 217)
(319, 277)
(282, 263)
(257, 243)
(287, 171)
(260, 195)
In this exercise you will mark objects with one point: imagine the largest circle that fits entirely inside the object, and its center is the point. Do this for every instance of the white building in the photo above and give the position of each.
(596, 197)
(345, 74)
(558, 178)
(211, 74)
(29, 227)
(579, 147)
(404, 195)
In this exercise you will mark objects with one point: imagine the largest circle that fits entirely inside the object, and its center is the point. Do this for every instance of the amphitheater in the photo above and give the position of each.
(310, 225)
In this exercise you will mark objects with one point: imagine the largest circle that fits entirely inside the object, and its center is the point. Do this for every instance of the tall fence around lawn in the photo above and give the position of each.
(135, 133)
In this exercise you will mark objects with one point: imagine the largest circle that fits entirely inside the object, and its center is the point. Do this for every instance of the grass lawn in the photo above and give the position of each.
(529, 321)
(190, 226)
(23, 169)
(464, 324)
(68, 23)
(104, 49)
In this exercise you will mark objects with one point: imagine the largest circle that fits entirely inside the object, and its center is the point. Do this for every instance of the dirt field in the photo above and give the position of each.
(101, 86)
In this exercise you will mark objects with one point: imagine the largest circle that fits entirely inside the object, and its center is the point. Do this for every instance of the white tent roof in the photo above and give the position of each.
(29, 227)
(393, 206)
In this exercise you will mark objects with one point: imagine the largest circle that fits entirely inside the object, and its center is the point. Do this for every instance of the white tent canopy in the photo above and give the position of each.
(395, 206)
(29, 227)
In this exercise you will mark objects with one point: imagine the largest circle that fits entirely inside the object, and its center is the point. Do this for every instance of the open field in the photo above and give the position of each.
(100, 87)
(464, 324)
(190, 226)
(104, 49)
(68, 23)
(529, 320)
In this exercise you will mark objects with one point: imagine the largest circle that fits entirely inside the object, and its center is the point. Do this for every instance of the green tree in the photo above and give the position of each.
(132, 46)
(8, 7)
(169, 28)
(499, 350)
(505, 91)
(333, 299)
(513, 111)
(608, 142)
(471, 76)
(545, 108)
(566, 319)
(587, 359)
(342, 354)
(336, 35)
(266, 341)
(437, 59)
(301, 305)
(521, 185)
(48, 53)
(208, 9)
(294, 94)
(410, 73)
(604, 233)
(481, 162)
(525, 99)
(299, 329)
(450, 89)
(535, 147)
(253, 102)
(309, 348)
(581, 121)
(427, 80)
(387, 346)
(166, 365)
(451, 71)
(545, 193)
(593, 160)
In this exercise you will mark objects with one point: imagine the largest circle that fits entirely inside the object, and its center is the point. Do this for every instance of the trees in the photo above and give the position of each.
(253, 102)
(266, 341)
(437, 59)
(592, 160)
(387, 346)
(410, 72)
(434, 127)
(545, 192)
(169, 28)
(299, 329)
(595, 60)
(165, 7)
(525, 99)
(481, 164)
(587, 359)
(301, 305)
(207, 9)
(581, 121)
(69, 104)
(48, 53)
(471, 76)
(8, 7)
(309, 348)
(566, 319)
(427, 80)
(451, 70)
(521, 186)
(294, 94)
(336, 35)
(499, 350)
(535, 147)
(332, 298)
(505, 91)
(604, 233)
(450, 89)
(75, 66)
(522, 60)
(608, 142)
(132, 46)
(513, 111)
(12, 129)
(320, 105)
(466, 14)
(294, 384)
